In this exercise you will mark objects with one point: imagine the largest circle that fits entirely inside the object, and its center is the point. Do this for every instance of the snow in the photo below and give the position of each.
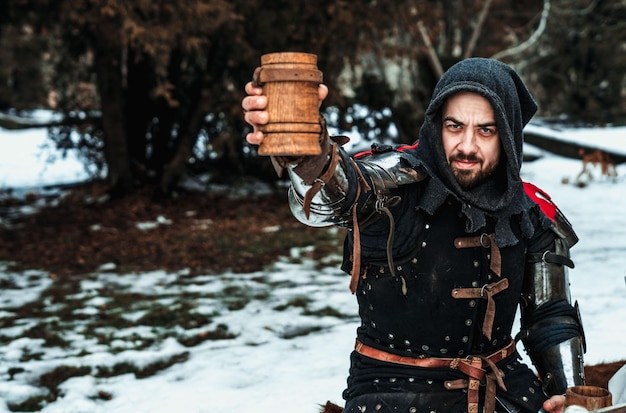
(271, 365)
(23, 161)
(607, 138)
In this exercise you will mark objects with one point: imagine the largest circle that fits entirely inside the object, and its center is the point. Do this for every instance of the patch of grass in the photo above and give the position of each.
(83, 353)
(112, 319)
(304, 302)
(123, 300)
(12, 371)
(117, 369)
(326, 312)
(141, 372)
(54, 378)
(178, 315)
(220, 333)
(7, 322)
(102, 395)
(34, 309)
(262, 295)
(27, 355)
(235, 297)
(63, 287)
(141, 343)
(299, 301)
(47, 332)
(5, 339)
(237, 303)
(32, 404)
(154, 368)
(299, 331)
(8, 284)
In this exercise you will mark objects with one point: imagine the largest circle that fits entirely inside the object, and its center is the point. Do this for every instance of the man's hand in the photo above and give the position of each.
(555, 404)
(254, 107)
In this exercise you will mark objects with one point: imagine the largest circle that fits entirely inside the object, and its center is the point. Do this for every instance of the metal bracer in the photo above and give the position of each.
(560, 366)
(552, 330)
(330, 199)
(367, 181)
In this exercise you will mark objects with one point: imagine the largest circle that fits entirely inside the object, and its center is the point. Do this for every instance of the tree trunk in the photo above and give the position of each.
(174, 169)
(108, 66)
(471, 45)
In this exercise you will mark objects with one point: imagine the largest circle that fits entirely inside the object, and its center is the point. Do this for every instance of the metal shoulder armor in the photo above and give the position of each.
(389, 168)
(365, 181)
(552, 330)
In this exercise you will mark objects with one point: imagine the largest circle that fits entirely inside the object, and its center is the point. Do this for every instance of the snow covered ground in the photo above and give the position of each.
(23, 161)
(271, 364)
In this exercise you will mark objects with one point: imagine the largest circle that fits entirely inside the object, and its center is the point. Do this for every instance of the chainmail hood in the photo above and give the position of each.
(502, 194)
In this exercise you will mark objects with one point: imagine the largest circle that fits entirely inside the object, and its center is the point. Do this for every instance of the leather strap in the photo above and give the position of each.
(450, 362)
(549, 257)
(321, 181)
(485, 292)
(362, 186)
(456, 384)
(472, 366)
(485, 241)
(382, 207)
(473, 385)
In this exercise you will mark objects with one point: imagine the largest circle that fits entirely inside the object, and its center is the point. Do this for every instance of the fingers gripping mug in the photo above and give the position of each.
(290, 81)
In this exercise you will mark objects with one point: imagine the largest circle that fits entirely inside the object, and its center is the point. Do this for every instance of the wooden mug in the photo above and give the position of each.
(589, 397)
(290, 81)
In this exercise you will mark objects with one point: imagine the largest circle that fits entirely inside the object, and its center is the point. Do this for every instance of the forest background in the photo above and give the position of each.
(150, 91)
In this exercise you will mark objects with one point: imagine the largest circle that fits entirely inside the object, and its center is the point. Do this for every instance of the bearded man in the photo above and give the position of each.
(444, 242)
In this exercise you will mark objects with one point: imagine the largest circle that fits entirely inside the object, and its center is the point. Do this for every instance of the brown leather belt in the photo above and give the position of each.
(472, 366)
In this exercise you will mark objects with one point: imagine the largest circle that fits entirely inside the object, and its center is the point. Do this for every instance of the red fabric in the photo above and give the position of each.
(400, 149)
(542, 199)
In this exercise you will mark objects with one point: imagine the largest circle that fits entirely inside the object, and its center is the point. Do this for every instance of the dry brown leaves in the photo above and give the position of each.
(205, 233)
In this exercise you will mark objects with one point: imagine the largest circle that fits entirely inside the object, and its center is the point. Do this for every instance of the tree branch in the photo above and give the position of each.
(469, 50)
(532, 39)
(432, 53)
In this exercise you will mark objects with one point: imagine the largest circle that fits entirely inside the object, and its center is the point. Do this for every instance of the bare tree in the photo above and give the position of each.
(419, 39)
(574, 65)
(532, 39)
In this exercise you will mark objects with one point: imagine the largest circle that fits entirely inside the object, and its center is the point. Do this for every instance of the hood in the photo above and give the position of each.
(502, 194)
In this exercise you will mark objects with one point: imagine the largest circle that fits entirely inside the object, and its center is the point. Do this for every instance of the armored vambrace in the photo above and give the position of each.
(363, 184)
(353, 194)
(552, 330)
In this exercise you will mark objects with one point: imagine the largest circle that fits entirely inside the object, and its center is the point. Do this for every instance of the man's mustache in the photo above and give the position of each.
(464, 157)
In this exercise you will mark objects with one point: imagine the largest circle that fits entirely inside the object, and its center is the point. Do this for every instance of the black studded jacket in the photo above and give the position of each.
(415, 312)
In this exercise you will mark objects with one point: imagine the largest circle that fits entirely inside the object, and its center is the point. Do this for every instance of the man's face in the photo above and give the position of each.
(470, 138)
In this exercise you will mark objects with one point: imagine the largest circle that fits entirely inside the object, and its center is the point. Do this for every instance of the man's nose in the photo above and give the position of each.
(468, 142)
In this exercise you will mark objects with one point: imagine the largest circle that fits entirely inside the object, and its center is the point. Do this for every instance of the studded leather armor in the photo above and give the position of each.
(444, 292)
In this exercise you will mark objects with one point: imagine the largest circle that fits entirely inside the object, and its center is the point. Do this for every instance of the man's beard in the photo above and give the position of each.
(469, 179)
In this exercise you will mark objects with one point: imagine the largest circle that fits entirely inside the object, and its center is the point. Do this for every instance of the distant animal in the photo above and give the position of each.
(596, 158)
(330, 407)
